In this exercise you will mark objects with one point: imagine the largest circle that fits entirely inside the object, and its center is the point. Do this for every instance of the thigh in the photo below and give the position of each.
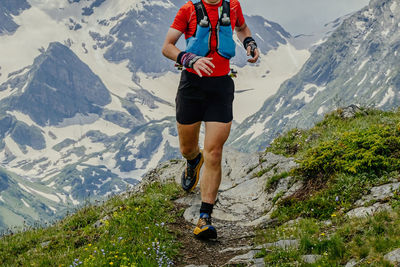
(216, 134)
(189, 134)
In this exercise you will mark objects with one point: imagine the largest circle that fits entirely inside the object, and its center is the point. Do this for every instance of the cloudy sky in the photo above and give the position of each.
(301, 16)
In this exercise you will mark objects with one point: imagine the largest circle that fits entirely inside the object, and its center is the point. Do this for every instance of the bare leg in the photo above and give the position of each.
(215, 137)
(189, 139)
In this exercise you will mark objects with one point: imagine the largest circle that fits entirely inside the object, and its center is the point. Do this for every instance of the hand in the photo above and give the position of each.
(256, 54)
(205, 65)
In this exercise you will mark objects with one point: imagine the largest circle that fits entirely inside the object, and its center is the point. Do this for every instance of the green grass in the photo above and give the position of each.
(134, 233)
(366, 239)
(339, 161)
(273, 181)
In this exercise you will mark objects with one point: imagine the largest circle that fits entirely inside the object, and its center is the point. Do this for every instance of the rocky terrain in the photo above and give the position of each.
(246, 203)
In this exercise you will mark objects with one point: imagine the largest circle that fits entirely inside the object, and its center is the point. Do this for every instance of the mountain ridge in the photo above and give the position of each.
(351, 66)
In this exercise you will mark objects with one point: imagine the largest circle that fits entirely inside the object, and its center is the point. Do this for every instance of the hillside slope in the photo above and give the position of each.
(333, 199)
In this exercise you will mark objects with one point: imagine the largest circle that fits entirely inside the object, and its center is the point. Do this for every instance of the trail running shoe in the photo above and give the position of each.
(204, 229)
(190, 176)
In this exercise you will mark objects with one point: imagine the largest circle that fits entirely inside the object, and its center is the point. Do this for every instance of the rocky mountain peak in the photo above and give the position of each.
(57, 86)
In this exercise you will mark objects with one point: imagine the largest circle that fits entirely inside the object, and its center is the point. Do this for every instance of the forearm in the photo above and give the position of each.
(243, 32)
(169, 48)
(170, 51)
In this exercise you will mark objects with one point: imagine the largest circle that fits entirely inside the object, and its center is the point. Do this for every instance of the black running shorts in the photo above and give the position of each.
(204, 99)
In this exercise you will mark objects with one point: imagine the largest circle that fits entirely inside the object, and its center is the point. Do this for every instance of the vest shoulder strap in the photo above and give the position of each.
(201, 11)
(226, 8)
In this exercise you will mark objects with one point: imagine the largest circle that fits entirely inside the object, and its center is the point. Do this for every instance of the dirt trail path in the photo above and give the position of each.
(243, 204)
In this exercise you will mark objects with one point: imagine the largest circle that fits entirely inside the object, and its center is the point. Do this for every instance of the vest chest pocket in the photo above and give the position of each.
(199, 44)
(226, 44)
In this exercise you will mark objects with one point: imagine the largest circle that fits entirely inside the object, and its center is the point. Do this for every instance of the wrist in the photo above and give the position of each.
(179, 58)
(247, 41)
(188, 59)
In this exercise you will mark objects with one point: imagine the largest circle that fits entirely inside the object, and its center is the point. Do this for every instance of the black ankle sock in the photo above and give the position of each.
(194, 161)
(206, 208)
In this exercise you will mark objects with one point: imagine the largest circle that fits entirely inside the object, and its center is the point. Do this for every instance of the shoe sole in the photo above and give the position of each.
(205, 233)
(198, 167)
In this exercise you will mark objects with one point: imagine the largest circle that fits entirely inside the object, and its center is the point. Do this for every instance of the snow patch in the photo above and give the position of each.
(172, 140)
(363, 79)
(26, 204)
(67, 188)
(363, 64)
(280, 104)
(259, 36)
(360, 25)
(62, 197)
(389, 94)
(393, 7)
(255, 84)
(45, 195)
(321, 110)
(74, 201)
(374, 79)
(306, 96)
(53, 209)
(374, 93)
(290, 116)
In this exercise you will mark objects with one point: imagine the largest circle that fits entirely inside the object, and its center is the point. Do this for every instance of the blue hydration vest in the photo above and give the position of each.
(199, 43)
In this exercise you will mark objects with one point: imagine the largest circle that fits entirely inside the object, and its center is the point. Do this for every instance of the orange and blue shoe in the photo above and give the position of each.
(191, 175)
(204, 229)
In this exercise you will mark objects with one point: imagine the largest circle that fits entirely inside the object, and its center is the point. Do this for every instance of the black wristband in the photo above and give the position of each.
(248, 40)
(179, 58)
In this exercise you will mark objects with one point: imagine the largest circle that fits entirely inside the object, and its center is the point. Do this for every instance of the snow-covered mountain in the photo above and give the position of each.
(357, 64)
(87, 99)
(8, 9)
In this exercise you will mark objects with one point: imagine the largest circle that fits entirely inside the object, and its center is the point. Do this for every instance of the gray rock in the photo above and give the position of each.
(311, 258)
(100, 222)
(350, 111)
(260, 221)
(368, 211)
(247, 258)
(351, 263)
(393, 256)
(242, 197)
(45, 244)
(259, 262)
(285, 244)
(235, 249)
(379, 193)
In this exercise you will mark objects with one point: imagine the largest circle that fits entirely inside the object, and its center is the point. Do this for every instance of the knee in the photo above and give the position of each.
(189, 152)
(214, 156)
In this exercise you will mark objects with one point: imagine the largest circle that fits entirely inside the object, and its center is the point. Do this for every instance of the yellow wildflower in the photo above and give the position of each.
(333, 215)
(322, 234)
